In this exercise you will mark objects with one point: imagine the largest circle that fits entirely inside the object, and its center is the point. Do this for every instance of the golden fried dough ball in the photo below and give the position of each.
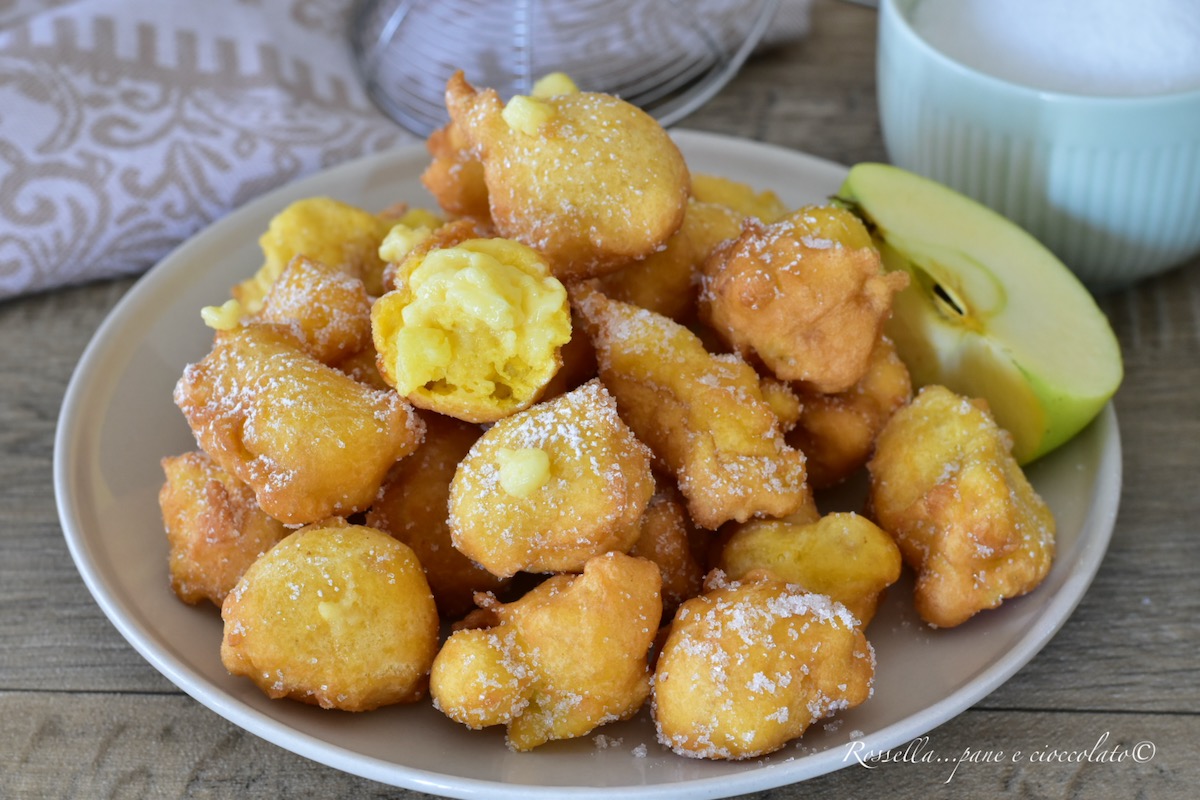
(214, 527)
(324, 230)
(710, 225)
(455, 176)
(842, 555)
(666, 281)
(567, 657)
(806, 295)
(412, 506)
(472, 331)
(703, 416)
(548, 488)
(740, 197)
(944, 483)
(309, 440)
(663, 282)
(837, 431)
(340, 617)
(588, 179)
(750, 665)
(324, 307)
(362, 367)
(667, 537)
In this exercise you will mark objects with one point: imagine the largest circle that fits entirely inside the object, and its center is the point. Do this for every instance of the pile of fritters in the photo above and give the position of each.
(548, 452)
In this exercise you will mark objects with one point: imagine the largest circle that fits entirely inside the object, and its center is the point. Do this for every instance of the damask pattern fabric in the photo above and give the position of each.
(128, 125)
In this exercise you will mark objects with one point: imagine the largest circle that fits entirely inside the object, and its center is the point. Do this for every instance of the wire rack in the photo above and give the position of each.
(666, 56)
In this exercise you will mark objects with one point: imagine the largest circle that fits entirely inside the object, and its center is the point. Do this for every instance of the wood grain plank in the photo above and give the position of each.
(84, 716)
(166, 747)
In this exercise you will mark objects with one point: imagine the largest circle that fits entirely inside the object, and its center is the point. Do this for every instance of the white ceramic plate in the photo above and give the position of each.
(118, 420)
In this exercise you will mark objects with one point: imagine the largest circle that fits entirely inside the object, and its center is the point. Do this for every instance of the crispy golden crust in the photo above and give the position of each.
(807, 295)
(598, 184)
(215, 528)
(454, 176)
(837, 431)
(548, 488)
(842, 555)
(667, 537)
(309, 440)
(703, 416)
(569, 656)
(739, 197)
(340, 617)
(412, 507)
(324, 307)
(325, 230)
(944, 483)
(748, 666)
(666, 281)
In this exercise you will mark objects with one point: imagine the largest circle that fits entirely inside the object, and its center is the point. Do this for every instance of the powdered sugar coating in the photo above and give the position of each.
(310, 441)
(749, 665)
(568, 657)
(599, 484)
(704, 416)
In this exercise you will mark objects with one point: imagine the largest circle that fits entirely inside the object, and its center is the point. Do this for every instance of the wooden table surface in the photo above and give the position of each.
(82, 715)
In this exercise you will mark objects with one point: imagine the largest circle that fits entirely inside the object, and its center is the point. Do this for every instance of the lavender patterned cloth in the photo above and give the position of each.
(128, 125)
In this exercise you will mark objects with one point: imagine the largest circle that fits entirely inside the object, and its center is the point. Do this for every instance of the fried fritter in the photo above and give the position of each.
(567, 657)
(944, 483)
(310, 441)
(546, 489)
(703, 416)
(325, 230)
(807, 295)
(412, 506)
(739, 197)
(750, 665)
(338, 616)
(214, 527)
(667, 537)
(837, 431)
(666, 281)
(587, 179)
(455, 176)
(472, 331)
(324, 307)
(842, 555)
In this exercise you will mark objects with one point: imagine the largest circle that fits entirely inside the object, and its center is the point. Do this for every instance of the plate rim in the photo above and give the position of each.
(1097, 530)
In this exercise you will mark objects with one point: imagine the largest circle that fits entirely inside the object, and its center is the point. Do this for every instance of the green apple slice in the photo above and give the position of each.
(989, 311)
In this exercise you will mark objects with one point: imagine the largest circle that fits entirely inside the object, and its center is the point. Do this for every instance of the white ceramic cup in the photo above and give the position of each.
(1110, 184)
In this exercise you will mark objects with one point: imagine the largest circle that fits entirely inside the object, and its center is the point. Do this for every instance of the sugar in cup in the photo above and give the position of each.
(1090, 142)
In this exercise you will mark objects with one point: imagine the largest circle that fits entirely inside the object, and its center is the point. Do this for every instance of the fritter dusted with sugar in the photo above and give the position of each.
(310, 441)
(567, 657)
(945, 484)
(806, 295)
(335, 615)
(548, 488)
(587, 179)
(750, 665)
(704, 416)
(215, 528)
